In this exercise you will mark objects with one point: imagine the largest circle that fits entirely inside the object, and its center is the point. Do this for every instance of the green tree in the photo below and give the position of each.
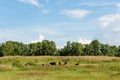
(32, 49)
(87, 49)
(48, 47)
(25, 50)
(105, 49)
(66, 51)
(77, 49)
(95, 45)
(12, 48)
(1, 54)
(118, 52)
(113, 51)
(38, 49)
(19, 48)
(7, 48)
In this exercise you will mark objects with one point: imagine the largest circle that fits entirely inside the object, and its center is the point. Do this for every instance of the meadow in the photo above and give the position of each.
(39, 68)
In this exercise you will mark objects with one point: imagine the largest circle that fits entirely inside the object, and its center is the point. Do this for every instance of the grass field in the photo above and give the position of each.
(32, 68)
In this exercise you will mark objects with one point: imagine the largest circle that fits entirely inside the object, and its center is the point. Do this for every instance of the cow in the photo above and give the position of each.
(52, 63)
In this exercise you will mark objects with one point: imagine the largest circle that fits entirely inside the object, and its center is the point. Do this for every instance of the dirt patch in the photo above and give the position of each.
(34, 74)
(89, 65)
(5, 66)
(67, 77)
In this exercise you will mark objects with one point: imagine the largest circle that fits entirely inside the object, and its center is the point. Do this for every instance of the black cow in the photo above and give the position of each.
(52, 63)
(77, 64)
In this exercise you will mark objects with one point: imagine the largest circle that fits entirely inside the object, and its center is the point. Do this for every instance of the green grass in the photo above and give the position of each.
(89, 68)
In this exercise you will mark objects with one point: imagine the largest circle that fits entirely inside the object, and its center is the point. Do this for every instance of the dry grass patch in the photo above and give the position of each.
(98, 58)
(30, 74)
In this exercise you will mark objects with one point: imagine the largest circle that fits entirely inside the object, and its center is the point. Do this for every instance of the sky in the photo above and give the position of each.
(60, 21)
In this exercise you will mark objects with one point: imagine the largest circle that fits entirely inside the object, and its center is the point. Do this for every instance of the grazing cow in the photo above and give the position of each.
(59, 63)
(43, 64)
(77, 64)
(52, 63)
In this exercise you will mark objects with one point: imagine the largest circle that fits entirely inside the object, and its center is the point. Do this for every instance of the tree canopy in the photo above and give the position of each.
(46, 47)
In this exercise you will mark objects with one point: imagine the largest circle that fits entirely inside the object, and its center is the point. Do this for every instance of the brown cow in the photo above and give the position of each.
(77, 64)
(59, 63)
(52, 63)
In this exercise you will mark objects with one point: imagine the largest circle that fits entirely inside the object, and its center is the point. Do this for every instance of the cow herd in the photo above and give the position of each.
(58, 63)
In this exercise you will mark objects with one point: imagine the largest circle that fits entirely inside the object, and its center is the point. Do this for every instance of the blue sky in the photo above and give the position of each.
(60, 20)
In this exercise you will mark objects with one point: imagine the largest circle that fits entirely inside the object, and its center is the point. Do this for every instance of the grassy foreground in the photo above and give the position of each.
(31, 68)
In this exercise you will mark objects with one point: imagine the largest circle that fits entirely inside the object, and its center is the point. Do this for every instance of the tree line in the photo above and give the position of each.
(46, 47)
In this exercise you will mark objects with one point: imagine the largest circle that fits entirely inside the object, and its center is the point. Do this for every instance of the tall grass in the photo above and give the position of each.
(89, 68)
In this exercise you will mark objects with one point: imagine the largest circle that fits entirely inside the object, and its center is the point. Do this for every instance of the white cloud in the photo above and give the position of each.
(45, 11)
(84, 41)
(59, 47)
(32, 2)
(109, 28)
(40, 39)
(76, 13)
(106, 20)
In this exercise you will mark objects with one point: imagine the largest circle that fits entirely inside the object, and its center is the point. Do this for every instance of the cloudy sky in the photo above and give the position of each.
(60, 20)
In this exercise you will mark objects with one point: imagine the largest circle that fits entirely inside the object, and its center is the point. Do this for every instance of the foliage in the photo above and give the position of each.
(118, 52)
(95, 46)
(46, 47)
